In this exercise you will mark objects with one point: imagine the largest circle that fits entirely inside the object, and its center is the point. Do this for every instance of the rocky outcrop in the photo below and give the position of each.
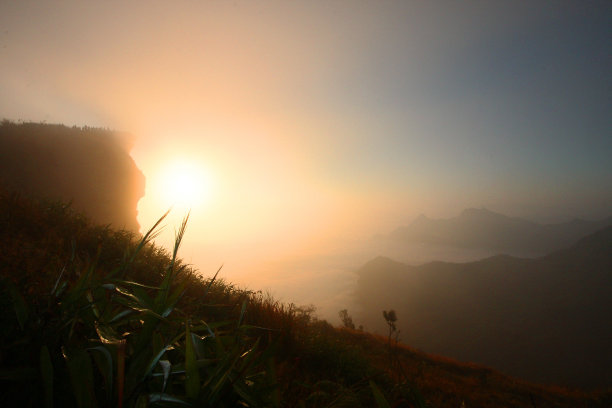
(89, 167)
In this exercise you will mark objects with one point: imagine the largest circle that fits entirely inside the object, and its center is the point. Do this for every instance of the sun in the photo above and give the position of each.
(185, 183)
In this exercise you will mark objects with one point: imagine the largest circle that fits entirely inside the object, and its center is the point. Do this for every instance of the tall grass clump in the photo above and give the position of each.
(99, 339)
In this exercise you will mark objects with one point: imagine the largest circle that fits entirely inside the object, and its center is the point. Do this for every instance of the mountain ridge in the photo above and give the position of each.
(516, 314)
(484, 229)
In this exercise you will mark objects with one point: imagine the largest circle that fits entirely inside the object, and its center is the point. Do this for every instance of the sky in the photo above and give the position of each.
(314, 122)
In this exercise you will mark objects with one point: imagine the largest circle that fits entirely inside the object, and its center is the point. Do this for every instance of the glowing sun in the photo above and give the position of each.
(185, 183)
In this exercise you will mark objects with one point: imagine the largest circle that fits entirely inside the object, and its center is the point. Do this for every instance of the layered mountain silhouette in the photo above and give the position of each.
(89, 167)
(487, 230)
(546, 319)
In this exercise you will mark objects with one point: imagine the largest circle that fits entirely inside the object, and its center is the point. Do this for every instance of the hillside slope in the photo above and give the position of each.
(56, 270)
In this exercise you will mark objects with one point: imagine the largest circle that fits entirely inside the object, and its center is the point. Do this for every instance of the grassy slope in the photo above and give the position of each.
(312, 363)
(448, 383)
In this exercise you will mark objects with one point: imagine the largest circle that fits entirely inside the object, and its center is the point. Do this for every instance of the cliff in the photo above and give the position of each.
(89, 167)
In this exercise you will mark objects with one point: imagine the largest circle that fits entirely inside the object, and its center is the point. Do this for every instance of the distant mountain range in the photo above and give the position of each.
(547, 319)
(487, 230)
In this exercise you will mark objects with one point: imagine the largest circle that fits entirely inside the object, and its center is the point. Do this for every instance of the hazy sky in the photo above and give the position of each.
(315, 117)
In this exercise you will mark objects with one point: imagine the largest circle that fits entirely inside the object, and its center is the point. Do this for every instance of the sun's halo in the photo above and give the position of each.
(185, 183)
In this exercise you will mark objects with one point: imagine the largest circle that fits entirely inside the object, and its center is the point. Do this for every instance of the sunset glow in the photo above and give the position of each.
(296, 131)
(184, 184)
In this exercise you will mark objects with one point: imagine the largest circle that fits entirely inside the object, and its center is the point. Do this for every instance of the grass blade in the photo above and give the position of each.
(120, 372)
(162, 296)
(192, 382)
(166, 367)
(105, 366)
(57, 282)
(81, 376)
(242, 312)
(162, 397)
(46, 371)
(381, 401)
(155, 360)
(19, 304)
(211, 282)
(153, 232)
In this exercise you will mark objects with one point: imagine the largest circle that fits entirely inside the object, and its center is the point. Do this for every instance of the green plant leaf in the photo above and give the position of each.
(166, 368)
(142, 297)
(211, 282)
(105, 366)
(153, 232)
(106, 334)
(154, 361)
(55, 290)
(242, 312)
(46, 371)
(173, 299)
(136, 284)
(162, 296)
(272, 379)
(162, 397)
(81, 376)
(121, 315)
(120, 371)
(19, 304)
(246, 394)
(221, 375)
(85, 279)
(198, 345)
(142, 401)
(192, 380)
(381, 401)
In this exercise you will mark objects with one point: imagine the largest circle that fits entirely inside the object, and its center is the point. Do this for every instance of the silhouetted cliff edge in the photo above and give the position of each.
(88, 166)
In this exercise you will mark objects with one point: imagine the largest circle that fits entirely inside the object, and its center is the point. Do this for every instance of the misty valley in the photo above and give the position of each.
(532, 300)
